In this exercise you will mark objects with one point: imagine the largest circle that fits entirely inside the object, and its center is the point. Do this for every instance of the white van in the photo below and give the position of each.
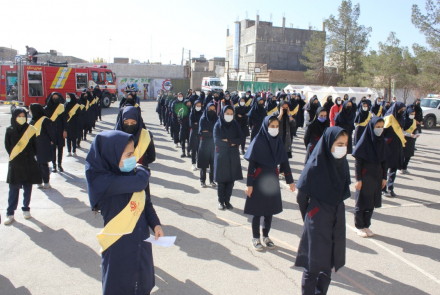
(431, 110)
(212, 84)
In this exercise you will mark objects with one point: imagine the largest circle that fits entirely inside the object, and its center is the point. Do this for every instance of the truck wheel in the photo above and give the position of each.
(429, 122)
(106, 101)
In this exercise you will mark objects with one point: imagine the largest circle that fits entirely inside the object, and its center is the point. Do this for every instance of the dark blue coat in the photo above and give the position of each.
(194, 139)
(44, 146)
(395, 160)
(243, 120)
(227, 164)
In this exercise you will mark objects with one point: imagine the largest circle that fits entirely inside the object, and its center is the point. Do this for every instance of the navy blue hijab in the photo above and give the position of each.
(102, 162)
(324, 177)
(394, 110)
(376, 106)
(194, 117)
(133, 113)
(407, 121)
(362, 115)
(267, 150)
(370, 147)
(228, 130)
(256, 113)
(207, 122)
(345, 116)
(51, 106)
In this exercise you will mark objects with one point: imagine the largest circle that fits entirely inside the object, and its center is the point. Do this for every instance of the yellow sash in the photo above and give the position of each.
(38, 125)
(136, 105)
(248, 103)
(87, 105)
(413, 127)
(92, 102)
(82, 106)
(236, 105)
(272, 111)
(293, 113)
(23, 142)
(379, 113)
(366, 121)
(123, 223)
(59, 110)
(144, 142)
(391, 121)
(73, 111)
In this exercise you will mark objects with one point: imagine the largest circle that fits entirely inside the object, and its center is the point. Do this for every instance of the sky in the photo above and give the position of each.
(158, 30)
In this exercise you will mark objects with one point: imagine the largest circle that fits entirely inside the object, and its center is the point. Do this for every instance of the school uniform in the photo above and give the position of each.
(44, 138)
(299, 115)
(322, 244)
(311, 108)
(127, 261)
(419, 114)
(23, 169)
(361, 121)
(205, 157)
(98, 94)
(227, 164)
(84, 118)
(185, 128)
(287, 123)
(91, 111)
(314, 132)
(194, 139)
(345, 119)
(410, 127)
(242, 120)
(256, 117)
(73, 112)
(371, 154)
(170, 129)
(264, 154)
(160, 99)
(377, 109)
(59, 125)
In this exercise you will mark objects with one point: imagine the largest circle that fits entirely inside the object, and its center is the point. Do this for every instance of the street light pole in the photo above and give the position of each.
(109, 49)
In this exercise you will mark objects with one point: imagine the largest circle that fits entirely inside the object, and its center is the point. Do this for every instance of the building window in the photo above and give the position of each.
(249, 49)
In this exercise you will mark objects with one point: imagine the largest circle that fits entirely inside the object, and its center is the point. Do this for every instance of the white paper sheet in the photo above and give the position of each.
(162, 241)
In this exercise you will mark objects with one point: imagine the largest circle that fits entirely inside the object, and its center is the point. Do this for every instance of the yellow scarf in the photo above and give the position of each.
(144, 142)
(413, 127)
(272, 111)
(73, 111)
(59, 110)
(136, 105)
(38, 125)
(23, 142)
(366, 121)
(123, 223)
(293, 113)
(379, 113)
(248, 103)
(391, 121)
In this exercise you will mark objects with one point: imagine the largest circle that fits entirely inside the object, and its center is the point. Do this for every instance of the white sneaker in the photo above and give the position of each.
(27, 215)
(74, 154)
(9, 219)
(40, 186)
(194, 168)
(369, 232)
(362, 233)
(69, 154)
(256, 243)
(175, 145)
(46, 185)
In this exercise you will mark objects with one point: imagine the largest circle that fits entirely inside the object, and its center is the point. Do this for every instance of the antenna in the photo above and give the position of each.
(271, 17)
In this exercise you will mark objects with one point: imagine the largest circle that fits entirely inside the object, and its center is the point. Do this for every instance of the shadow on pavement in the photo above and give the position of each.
(169, 285)
(65, 248)
(408, 222)
(7, 288)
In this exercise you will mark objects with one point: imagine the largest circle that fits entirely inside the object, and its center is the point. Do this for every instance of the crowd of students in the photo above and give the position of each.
(212, 130)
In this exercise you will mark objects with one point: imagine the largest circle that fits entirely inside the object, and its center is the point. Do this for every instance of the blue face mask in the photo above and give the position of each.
(129, 164)
(321, 119)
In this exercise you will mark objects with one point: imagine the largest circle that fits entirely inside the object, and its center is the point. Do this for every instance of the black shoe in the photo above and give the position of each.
(54, 169)
(221, 206)
(213, 184)
(188, 154)
(203, 184)
(228, 206)
(392, 193)
(183, 155)
(60, 168)
(78, 146)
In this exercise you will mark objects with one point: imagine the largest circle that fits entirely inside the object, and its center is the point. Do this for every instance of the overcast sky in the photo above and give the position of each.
(83, 28)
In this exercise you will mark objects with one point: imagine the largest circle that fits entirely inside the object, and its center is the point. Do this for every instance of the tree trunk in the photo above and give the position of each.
(389, 89)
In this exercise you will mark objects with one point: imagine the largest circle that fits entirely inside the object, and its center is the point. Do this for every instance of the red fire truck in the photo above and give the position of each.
(23, 84)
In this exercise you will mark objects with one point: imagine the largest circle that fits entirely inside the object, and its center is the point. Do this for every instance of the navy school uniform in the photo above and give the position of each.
(410, 127)
(322, 244)
(371, 153)
(72, 124)
(90, 112)
(205, 157)
(127, 265)
(256, 116)
(227, 164)
(58, 127)
(184, 128)
(345, 119)
(363, 118)
(194, 139)
(314, 132)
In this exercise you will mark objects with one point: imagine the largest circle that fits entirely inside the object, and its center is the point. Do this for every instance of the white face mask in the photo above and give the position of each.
(365, 109)
(247, 95)
(338, 102)
(378, 131)
(411, 116)
(340, 151)
(180, 98)
(273, 131)
(68, 99)
(198, 109)
(227, 97)
(229, 118)
(242, 103)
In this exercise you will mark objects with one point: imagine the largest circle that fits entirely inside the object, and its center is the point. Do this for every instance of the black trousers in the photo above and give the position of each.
(71, 143)
(183, 144)
(14, 191)
(203, 174)
(176, 134)
(256, 226)
(243, 145)
(194, 156)
(315, 283)
(160, 117)
(406, 162)
(392, 173)
(84, 134)
(99, 111)
(362, 218)
(60, 154)
(44, 170)
(224, 191)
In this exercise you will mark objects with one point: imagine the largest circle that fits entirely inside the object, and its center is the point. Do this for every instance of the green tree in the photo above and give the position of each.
(347, 42)
(314, 53)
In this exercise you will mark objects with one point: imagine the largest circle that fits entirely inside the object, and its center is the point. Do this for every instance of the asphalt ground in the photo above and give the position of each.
(56, 252)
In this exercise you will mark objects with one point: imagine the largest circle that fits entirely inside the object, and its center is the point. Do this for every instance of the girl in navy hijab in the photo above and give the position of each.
(241, 117)
(410, 130)
(205, 158)
(263, 190)
(194, 140)
(311, 108)
(323, 186)
(256, 116)
(345, 119)
(361, 120)
(377, 108)
(112, 179)
(395, 138)
(315, 130)
(371, 154)
(227, 165)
